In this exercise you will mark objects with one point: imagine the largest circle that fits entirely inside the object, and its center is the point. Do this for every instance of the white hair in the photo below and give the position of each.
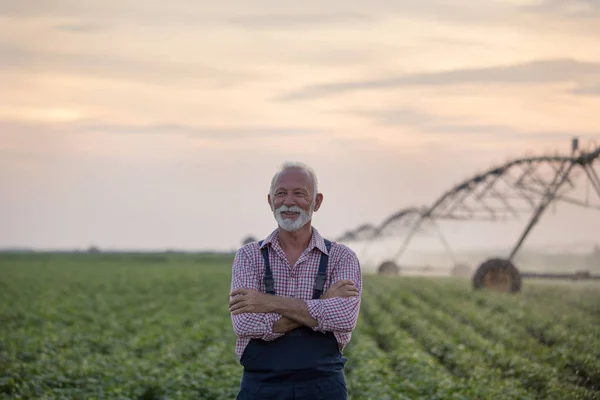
(296, 165)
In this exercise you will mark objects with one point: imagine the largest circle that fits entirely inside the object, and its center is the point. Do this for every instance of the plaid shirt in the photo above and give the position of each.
(338, 315)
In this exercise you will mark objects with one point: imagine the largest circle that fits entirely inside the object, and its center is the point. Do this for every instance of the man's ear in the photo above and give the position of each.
(318, 201)
(269, 200)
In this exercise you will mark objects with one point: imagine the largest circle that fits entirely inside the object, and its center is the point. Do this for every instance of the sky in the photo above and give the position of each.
(158, 125)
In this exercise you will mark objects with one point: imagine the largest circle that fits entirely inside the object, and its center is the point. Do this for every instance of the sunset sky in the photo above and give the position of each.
(152, 125)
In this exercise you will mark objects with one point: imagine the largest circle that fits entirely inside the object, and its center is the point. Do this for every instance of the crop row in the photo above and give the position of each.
(575, 367)
(540, 379)
(368, 371)
(417, 374)
(117, 333)
(580, 338)
(450, 350)
(582, 297)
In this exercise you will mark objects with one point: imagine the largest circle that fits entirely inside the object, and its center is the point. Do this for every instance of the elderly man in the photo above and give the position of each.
(294, 300)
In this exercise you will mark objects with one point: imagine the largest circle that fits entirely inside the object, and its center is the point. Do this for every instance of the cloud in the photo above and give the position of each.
(80, 27)
(45, 114)
(473, 43)
(326, 56)
(402, 117)
(427, 122)
(190, 131)
(300, 20)
(469, 129)
(578, 9)
(459, 128)
(263, 13)
(150, 12)
(201, 131)
(134, 68)
(355, 144)
(587, 90)
(534, 72)
(504, 133)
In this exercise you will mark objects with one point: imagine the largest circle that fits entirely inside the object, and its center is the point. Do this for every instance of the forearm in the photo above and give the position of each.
(335, 314)
(256, 326)
(251, 325)
(339, 313)
(293, 309)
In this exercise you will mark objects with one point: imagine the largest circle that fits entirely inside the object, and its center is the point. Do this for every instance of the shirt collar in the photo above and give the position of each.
(316, 240)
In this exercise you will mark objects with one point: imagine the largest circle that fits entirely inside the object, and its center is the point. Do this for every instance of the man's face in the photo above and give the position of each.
(292, 202)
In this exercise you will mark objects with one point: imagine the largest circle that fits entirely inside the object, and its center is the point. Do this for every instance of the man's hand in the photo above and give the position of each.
(250, 301)
(343, 288)
(284, 325)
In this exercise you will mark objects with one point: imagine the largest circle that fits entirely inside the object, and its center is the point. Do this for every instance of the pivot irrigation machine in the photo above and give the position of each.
(524, 185)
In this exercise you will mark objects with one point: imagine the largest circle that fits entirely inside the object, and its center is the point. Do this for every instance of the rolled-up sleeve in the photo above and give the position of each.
(339, 314)
(250, 325)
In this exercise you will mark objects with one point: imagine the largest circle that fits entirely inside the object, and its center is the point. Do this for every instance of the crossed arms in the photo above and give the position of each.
(264, 316)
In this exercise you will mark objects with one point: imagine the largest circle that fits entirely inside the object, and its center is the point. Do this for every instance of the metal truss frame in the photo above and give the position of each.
(515, 188)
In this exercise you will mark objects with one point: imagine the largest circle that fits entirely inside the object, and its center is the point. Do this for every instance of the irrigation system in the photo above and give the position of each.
(521, 186)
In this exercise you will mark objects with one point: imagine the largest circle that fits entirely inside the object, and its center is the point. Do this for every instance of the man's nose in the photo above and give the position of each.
(289, 200)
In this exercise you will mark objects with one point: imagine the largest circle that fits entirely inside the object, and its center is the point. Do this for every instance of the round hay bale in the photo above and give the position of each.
(582, 274)
(461, 270)
(497, 274)
(388, 268)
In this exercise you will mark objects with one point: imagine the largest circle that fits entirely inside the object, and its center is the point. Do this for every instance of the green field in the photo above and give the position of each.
(92, 326)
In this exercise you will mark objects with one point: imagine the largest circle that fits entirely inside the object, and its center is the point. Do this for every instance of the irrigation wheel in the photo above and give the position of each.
(499, 275)
(388, 268)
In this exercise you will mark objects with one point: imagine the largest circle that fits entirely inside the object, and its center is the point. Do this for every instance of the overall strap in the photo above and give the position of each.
(321, 274)
(268, 278)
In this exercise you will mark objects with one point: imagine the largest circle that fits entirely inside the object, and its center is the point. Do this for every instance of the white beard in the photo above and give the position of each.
(290, 225)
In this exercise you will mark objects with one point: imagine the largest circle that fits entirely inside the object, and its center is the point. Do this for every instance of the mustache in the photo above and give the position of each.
(284, 208)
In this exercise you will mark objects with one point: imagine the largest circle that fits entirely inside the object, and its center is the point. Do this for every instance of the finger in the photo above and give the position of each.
(237, 306)
(236, 300)
(347, 288)
(241, 310)
(344, 282)
(340, 284)
(239, 291)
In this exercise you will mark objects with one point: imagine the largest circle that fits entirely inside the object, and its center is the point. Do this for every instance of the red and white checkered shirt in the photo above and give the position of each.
(337, 315)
